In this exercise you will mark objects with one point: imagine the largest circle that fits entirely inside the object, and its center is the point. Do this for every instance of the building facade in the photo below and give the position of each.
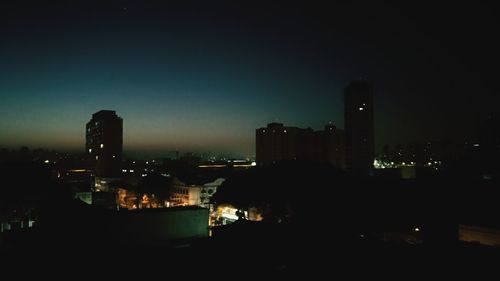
(104, 143)
(182, 194)
(359, 127)
(277, 142)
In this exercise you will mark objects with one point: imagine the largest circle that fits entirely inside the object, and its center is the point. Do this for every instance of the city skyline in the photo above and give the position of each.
(202, 77)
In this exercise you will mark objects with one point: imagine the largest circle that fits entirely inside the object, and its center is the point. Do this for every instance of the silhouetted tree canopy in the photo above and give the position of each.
(155, 183)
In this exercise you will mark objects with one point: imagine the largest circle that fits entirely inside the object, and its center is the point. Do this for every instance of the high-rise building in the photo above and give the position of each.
(104, 142)
(277, 142)
(359, 132)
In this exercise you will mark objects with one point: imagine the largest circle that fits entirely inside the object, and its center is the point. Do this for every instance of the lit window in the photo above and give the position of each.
(97, 157)
(361, 108)
(102, 145)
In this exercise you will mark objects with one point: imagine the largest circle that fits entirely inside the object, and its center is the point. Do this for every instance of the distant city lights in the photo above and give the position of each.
(241, 164)
(382, 164)
(212, 166)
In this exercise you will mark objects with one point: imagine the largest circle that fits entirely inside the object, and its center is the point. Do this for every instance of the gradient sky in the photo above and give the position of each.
(203, 77)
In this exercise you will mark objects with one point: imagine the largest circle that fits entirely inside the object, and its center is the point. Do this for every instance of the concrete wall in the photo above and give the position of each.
(162, 226)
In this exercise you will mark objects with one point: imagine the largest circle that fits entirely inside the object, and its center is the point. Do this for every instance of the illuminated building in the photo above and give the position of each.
(104, 142)
(277, 142)
(182, 194)
(225, 214)
(359, 123)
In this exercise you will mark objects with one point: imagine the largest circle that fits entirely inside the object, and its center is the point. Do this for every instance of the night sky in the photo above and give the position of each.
(203, 77)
